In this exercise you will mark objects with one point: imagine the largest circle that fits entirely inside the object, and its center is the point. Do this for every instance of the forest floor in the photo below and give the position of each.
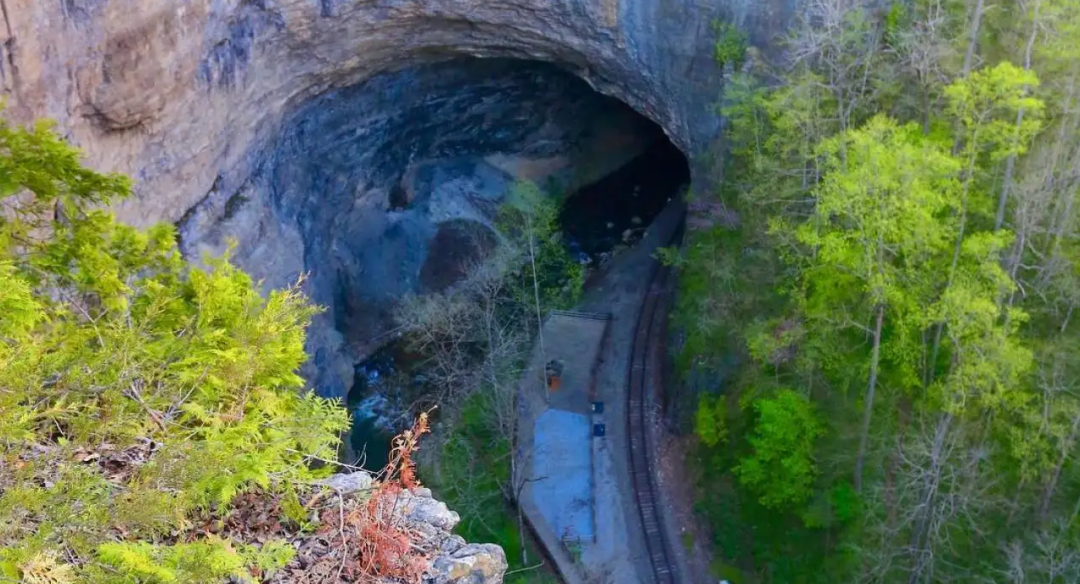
(690, 536)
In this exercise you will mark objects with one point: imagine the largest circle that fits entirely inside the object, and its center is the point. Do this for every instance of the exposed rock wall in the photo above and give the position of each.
(359, 180)
(180, 93)
(290, 124)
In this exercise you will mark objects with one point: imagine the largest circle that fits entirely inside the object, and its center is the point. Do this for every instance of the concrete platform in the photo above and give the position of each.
(556, 444)
(618, 554)
(566, 502)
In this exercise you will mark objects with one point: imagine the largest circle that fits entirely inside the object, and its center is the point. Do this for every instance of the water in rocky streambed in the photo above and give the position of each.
(377, 403)
(616, 209)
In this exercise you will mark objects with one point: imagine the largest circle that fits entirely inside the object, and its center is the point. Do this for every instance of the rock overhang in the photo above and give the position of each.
(179, 93)
(359, 182)
(199, 101)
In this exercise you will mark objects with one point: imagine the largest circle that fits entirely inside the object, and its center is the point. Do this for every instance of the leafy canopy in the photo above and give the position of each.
(781, 469)
(137, 392)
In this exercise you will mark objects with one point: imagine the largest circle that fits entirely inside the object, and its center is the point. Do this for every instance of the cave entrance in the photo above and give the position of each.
(388, 187)
(615, 211)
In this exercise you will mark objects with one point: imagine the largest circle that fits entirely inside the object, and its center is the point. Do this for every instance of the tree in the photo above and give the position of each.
(1010, 161)
(984, 107)
(1048, 555)
(710, 420)
(879, 223)
(112, 349)
(920, 37)
(838, 41)
(781, 468)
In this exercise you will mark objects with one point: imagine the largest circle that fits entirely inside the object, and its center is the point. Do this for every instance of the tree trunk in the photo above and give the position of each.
(1006, 182)
(1065, 218)
(969, 56)
(955, 259)
(903, 417)
(1010, 163)
(536, 296)
(1014, 267)
(1051, 485)
(1015, 505)
(868, 406)
(1066, 133)
(973, 38)
(919, 534)
(521, 534)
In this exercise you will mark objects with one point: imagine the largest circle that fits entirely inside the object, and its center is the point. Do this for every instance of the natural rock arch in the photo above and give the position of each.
(199, 99)
(179, 93)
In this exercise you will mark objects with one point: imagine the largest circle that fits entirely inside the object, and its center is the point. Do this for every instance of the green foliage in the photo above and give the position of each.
(269, 557)
(38, 161)
(988, 360)
(710, 420)
(836, 507)
(895, 20)
(876, 240)
(295, 511)
(866, 171)
(110, 345)
(781, 469)
(773, 341)
(669, 256)
(985, 104)
(472, 476)
(203, 562)
(473, 464)
(22, 311)
(730, 44)
(529, 221)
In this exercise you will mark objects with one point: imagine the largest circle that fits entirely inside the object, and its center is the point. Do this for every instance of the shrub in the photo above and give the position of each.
(781, 469)
(137, 393)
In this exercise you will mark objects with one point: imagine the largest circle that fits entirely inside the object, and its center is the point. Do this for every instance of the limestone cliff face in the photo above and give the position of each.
(339, 137)
(179, 93)
(334, 137)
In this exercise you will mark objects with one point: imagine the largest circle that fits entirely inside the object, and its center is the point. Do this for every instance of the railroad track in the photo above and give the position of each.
(645, 372)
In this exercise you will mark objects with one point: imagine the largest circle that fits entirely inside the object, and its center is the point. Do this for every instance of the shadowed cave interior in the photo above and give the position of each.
(388, 187)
